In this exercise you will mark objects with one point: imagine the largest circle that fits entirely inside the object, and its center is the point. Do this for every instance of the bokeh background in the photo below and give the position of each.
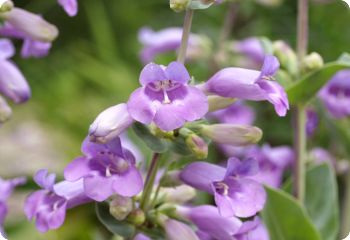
(95, 64)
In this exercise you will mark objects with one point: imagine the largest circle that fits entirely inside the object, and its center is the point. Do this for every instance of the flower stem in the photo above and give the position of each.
(185, 36)
(299, 111)
(151, 175)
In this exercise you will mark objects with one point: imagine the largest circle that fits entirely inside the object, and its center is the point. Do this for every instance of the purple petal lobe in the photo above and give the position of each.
(70, 6)
(140, 107)
(98, 188)
(151, 73)
(177, 72)
(7, 50)
(77, 169)
(128, 184)
(45, 180)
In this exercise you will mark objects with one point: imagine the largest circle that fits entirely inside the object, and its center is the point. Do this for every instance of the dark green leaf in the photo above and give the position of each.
(286, 219)
(154, 143)
(114, 226)
(305, 89)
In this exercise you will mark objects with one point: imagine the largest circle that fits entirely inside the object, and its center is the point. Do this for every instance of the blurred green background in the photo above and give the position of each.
(94, 64)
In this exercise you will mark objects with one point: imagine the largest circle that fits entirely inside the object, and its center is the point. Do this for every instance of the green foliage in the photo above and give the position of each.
(286, 219)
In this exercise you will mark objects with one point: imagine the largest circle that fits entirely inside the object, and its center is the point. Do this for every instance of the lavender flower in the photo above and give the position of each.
(166, 40)
(106, 169)
(6, 189)
(48, 206)
(176, 230)
(70, 6)
(110, 123)
(273, 161)
(141, 236)
(165, 97)
(251, 48)
(251, 85)
(12, 83)
(210, 223)
(311, 122)
(336, 94)
(236, 194)
(252, 230)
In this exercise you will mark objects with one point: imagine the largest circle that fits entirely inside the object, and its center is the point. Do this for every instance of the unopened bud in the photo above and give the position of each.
(312, 62)
(33, 25)
(178, 195)
(197, 146)
(120, 207)
(216, 102)
(179, 5)
(176, 230)
(286, 56)
(110, 123)
(232, 134)
(5, 6)
(5, 110)
(171, 179)
(136, 217)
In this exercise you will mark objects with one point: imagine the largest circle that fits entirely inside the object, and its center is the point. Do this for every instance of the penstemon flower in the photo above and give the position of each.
(251, 85)
(165, 97)
(236, 194)
(70, 6)
(105, 169)
(48, 206)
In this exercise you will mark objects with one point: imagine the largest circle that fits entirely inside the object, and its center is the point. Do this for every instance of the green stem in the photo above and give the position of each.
(151, 175)
(299, 111)
(185, 36)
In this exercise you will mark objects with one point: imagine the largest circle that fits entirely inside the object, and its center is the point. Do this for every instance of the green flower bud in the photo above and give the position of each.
(217, 102)
(233, 134)
(6, 6)
(286, 56)
(312, 62)
(120, 207)
(179, 5)
(136, 217)
(197, 146)
(178, 195)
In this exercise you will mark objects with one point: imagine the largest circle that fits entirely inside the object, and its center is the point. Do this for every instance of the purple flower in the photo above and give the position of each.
(110, 123)
(176, 230)
(237, 113)
(320, 155)
(12, 83)
(106, 169)
(210, 223)
(141, 236)
(252, 230)
(311, 122)
(48, 206)
(272, 163)
(252, 48)
(336, 94)
(6, 189)
(70, 6)
(251, 85)
(166, 40)
(165, 97)
(236, 194)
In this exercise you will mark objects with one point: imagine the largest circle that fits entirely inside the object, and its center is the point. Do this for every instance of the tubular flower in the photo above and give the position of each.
(165, 98)
(70, 6)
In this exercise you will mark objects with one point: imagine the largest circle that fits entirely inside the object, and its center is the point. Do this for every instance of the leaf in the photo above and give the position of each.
(305, 89)
(154, 143)
(286, 219)
(114, 226)
(322, 200)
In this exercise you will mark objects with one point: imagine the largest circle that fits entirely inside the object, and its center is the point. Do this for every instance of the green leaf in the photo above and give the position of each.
(114, 226)
(154, 143)
(286, 219)
(322, 200)
(305, 89)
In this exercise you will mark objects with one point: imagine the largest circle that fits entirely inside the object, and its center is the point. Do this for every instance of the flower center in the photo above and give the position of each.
(164, 86)
(221, 188)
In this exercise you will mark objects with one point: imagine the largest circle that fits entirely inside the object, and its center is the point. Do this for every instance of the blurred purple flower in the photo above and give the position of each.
(336, 94)
(321, 155)
(48, 206)
(165, 40)
(141, 236)
(251, 48)
(311, 122)
(165, 97)
(12, 83)
(235, 192)
(6, 189)
(251, 85)
(272, 163)
(176, 230)
(252, 230)
(210, 224)
(70, 6)
(106, 169)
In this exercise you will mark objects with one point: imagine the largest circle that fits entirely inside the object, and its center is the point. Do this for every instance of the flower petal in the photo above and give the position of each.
(98, 188)
(70, 6)
(194, 105)
(128, 184)
(77, 169)
(7, 50)
(151, 73)
(140, 107)
(45, 180)
(177, 72)
(169, 117)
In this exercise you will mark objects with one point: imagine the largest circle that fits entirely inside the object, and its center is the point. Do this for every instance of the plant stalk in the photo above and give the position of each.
(185, 36)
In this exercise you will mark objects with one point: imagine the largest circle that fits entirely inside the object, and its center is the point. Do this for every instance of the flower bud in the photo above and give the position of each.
(5, 6)
(120, 207)
(171, 179)
(178, 195)
(5, 110)
(233, 134)
(176, 230)
(136, 217)
(216, 102)
(110, 123)
(286, 56)
(312, 62)
(197, 146)
(33, 25)
(179, 5)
